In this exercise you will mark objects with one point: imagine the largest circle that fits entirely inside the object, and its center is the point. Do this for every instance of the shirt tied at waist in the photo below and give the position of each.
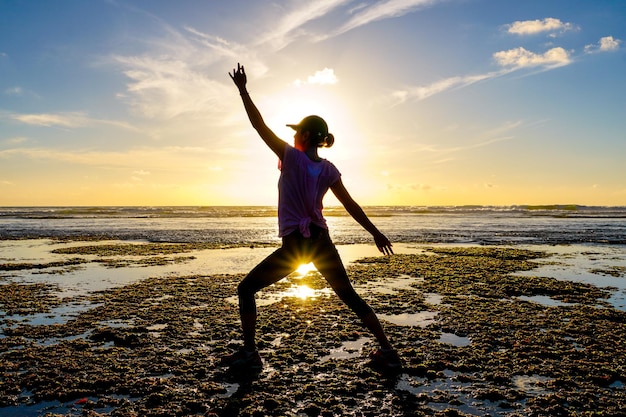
(305, 227)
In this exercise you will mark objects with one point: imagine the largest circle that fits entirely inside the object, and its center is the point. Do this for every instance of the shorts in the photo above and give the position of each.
(297, 250)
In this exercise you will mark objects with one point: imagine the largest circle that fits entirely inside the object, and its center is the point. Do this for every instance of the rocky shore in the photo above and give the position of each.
(470, 341)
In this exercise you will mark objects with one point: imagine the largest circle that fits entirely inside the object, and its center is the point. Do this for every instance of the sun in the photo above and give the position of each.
(306, 268)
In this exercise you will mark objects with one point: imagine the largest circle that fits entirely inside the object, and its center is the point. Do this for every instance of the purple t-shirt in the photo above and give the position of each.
(301, 188)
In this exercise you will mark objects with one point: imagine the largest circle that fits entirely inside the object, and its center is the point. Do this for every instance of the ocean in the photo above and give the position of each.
(584, 239)
(482, 225)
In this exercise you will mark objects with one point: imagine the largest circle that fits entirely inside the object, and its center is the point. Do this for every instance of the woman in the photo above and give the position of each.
(304, 179)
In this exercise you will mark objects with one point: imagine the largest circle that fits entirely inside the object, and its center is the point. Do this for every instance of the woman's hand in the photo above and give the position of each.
(239, 78)
(383, 244)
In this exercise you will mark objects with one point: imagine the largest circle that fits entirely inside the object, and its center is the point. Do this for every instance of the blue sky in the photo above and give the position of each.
(432, 102)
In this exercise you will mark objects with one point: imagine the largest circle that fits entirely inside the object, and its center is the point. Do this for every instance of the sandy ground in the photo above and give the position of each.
(468, 322)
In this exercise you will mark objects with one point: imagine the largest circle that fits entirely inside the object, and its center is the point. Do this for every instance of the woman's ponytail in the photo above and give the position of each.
(328, 141)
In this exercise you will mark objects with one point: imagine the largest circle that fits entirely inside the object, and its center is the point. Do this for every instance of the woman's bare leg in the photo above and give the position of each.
(272, 269)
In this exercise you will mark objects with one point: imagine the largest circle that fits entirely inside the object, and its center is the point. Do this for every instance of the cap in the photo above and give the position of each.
(313, 124)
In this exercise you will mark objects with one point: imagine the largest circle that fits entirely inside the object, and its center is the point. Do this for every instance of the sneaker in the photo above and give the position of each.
(386, 358)
(243, 359)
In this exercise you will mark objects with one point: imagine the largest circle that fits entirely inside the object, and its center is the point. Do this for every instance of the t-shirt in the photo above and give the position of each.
(301, 188)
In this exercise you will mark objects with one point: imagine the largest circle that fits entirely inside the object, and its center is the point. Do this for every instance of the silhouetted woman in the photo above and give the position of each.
(304, 180)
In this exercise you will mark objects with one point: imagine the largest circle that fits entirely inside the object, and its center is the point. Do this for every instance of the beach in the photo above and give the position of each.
(98, 325)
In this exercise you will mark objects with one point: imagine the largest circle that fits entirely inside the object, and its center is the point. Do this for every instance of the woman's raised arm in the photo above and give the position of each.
(276, 144)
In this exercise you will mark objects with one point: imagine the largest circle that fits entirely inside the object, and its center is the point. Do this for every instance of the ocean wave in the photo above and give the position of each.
(556, 210)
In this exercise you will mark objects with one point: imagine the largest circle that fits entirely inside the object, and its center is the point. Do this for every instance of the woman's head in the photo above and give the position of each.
(317, 129)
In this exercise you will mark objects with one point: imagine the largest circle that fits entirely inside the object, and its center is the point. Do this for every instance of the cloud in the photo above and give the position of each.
(605, 44)
(425, 91)
(283, 31)
(167, 87)
(14, 91)
(170, 79)
(323, 77)
(533, 27)
(383, 10)
(522, 58)
(154, 159)
(49, 119)
(511, 60)
(67, 120)
(16, 140)
(290, 26)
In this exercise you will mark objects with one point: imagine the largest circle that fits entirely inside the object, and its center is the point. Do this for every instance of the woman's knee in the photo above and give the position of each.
(245, 290)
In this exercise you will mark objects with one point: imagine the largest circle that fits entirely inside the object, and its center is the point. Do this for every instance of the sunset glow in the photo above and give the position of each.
(431, 102)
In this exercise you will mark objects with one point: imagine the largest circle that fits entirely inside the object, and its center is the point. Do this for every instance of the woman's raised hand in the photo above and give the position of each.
(239, 78)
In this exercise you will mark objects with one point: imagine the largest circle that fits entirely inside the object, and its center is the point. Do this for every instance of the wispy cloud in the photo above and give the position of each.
(167, 87)
(447, 84)
(170, 79)
(15, 141)
(383, 10)
(509, 61)
(140, 161)
(282, 33)
(14, 91)
(66, 120)
(290, 26)
(533, 27)
(605, 44)
(49, 119)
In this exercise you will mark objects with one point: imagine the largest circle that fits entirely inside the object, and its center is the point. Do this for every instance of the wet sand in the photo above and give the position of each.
(479, 332)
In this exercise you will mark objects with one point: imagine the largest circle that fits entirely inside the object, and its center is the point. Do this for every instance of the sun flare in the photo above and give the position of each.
(306, 268)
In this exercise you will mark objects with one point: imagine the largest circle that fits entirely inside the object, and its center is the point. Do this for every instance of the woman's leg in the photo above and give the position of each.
(272, 269)
(329, 264)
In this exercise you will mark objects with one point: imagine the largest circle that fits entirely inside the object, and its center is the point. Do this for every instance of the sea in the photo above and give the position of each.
(588, 244)
(231, 225)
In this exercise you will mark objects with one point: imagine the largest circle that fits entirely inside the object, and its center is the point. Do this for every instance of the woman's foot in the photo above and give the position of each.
(243, 359)
(386, 359)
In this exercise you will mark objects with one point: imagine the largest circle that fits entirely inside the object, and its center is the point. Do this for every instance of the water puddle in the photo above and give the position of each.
(392, 285)
(421, 319)
(449, 394)
(595, 265)
(349, 349)
(454, 340)
(57, 315)
(531, 385)
(544, 300)
(433, 299)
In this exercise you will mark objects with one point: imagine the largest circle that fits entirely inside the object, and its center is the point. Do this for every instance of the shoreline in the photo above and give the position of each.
(489, 345)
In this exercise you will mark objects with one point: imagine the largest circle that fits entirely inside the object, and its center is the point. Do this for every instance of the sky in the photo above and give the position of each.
(431, 102)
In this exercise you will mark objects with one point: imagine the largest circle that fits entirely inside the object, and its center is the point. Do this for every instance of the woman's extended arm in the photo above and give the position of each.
(382, 243)
(276, 144)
